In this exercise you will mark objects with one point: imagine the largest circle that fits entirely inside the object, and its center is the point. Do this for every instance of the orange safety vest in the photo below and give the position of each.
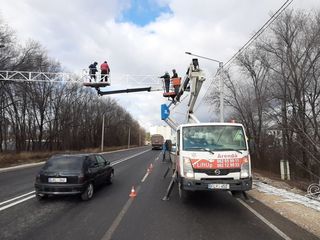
(176, 81)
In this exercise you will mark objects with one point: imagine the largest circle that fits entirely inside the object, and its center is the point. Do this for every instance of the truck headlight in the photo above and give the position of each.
(187, 168)
(244, 173)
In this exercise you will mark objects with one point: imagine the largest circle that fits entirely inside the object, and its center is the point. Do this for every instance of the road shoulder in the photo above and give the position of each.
(305, 217)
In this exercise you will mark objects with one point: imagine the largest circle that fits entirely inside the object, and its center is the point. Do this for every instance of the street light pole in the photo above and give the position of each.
(221, 83)
(129, 138)
(139, 138)
(102, 134)
(221, 93)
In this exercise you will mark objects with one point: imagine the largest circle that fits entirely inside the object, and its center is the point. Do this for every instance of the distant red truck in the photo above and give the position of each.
(157, 141)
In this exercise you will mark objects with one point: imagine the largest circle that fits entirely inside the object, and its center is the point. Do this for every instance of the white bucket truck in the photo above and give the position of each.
(208, 156)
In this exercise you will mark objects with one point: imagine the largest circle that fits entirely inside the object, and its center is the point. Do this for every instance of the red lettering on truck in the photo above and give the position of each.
(218, 163)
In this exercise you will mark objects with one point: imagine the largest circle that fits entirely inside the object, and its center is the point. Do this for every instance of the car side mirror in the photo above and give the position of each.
(107, 163)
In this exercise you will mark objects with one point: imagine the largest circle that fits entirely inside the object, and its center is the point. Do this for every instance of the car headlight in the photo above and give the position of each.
(187, 168)
(244, 173)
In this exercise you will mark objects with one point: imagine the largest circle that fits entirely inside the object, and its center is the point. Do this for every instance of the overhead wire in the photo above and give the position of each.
(247, 44)
(260, 31)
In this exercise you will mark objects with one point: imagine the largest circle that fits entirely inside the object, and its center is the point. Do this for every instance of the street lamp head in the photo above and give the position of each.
(210, 59)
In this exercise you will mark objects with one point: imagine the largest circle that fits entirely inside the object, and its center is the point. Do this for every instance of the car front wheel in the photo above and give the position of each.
(88, 193)
(110, 178)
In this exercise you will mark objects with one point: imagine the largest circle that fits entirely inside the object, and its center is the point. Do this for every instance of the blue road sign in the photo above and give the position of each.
(165, 112)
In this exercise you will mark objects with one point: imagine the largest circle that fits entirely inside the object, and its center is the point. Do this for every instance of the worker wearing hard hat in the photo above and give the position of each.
(166, 78)
(93, 70)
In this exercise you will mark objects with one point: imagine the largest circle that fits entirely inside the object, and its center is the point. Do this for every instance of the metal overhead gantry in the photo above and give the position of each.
(84, 79)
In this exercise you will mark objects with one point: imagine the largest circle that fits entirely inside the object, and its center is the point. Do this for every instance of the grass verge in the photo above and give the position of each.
(15, 159)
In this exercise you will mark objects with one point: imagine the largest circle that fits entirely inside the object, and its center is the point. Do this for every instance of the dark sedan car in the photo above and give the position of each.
(73, 174)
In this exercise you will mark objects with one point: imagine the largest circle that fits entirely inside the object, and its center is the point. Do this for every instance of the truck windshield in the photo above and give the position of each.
(213, 138)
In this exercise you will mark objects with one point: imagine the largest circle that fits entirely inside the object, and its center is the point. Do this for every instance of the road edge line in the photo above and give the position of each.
(263, 219)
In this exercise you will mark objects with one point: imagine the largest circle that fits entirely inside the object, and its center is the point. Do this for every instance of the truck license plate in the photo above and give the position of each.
(218, 186)
(57, 180)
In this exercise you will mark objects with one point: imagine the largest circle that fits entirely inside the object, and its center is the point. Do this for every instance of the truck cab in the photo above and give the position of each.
(212, 156)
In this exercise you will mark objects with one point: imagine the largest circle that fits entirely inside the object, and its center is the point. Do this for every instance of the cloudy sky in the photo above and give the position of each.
(142, 39)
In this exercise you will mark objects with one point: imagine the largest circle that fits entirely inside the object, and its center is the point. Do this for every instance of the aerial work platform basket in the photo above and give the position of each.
(100, 80)
(96, 84)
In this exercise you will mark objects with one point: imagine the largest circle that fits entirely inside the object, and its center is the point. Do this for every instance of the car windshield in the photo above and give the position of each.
(213, 138)
(60, 163)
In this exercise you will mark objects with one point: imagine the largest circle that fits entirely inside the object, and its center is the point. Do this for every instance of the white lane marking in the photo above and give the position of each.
(15, 198)
(116, 222)
(122, 150)
(17, 202)
(273, 227)
(145, 176)
(127, 158)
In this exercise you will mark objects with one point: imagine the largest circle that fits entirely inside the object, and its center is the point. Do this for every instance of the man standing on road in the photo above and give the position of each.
(166, 149)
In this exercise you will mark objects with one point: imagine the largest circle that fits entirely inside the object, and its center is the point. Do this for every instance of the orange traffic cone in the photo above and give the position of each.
(133, 192)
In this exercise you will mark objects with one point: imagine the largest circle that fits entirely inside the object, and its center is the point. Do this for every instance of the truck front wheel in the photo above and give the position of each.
(183, 194)
(236, 194)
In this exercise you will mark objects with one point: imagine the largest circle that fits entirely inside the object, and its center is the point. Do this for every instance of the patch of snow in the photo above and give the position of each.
(287, 196)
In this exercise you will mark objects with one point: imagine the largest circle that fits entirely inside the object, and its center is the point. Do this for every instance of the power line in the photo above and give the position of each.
(248, 43)
(261, 30)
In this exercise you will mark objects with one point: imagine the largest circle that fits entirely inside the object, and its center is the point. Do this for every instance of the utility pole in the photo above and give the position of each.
(129, 138)
(102, 133)
(139, 138)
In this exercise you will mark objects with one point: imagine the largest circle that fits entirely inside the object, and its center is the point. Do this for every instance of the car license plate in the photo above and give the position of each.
(57, 180)
(218, 186)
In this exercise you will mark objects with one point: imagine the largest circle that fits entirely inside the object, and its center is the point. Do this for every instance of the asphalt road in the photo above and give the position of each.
(111, 214)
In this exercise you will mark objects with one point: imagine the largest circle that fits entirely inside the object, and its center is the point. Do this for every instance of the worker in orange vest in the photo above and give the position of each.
(105, 70)
(176, 81)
